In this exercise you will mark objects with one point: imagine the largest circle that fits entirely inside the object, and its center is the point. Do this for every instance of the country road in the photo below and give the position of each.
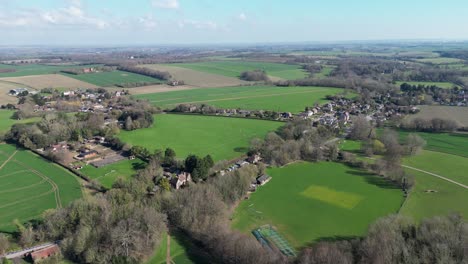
(24, 252)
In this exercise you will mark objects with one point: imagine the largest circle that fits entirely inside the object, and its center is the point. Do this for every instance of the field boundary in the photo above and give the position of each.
(436, 175)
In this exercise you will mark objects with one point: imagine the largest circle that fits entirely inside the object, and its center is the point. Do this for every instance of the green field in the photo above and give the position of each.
(107, 175)
(107, 79)
(221, 137)
(291, 99)
(235, 68)
(440, 60)
(6, 122)
(456, 144)
(308, 202)
(36, 69)
(445, 85)
(29, 185)
(450, 166)
(447, 198)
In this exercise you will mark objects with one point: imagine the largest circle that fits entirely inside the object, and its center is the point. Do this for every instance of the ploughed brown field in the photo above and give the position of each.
(49, 81)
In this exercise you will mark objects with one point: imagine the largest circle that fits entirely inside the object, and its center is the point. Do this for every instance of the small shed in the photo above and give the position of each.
(264, 179)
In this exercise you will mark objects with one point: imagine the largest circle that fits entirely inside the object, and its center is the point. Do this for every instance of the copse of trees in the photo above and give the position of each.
(397, 239)
(136, 119)
(198, 167)
(254, 76)
(145, 71)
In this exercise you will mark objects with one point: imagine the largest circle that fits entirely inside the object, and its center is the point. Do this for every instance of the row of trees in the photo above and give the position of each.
(254, 76)
(434, 125)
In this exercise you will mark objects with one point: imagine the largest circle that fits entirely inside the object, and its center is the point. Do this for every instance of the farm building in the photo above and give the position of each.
(42, 254)
(18, 91)
(264, 179)
(88, 154)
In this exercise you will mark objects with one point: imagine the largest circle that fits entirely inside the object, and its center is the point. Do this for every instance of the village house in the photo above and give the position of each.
(18, 91)
(59, 146)
(181, 180)
(254, 159)
(42, 254)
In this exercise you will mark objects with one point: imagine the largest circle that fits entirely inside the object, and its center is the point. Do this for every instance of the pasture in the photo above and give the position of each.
(29, 185)
(445, 85)
(6, 122)
(450, 166)
(178, 252)
(235, 68)
(222, 137)
(197, 78)
(108, 174)
(456, 144)
(36, 69)
(107, 79)
(458, 114)
(309, 202)
(49, 81)
(290, 99)
(440, 60)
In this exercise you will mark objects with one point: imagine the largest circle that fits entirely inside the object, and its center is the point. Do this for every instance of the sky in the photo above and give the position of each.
(153, 22)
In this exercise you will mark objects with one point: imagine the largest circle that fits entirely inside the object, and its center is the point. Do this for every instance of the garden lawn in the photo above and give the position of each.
(308, 202)
(447, 165)
(221, 137)
(106, 79)
(29, 185)
(107, 175)
(235, 68)
(179, 254)
(290, 99)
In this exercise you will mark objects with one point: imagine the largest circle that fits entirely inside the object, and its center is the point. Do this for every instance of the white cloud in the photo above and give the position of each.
(167, 4)
(242, 17)
(148, 22)
(198, 24)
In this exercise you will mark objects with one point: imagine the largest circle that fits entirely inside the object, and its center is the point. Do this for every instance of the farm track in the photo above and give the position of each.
(23, 188)
(9, 158)
(436, 175)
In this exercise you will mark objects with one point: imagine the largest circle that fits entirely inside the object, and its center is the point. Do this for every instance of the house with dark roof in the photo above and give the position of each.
(264, 179)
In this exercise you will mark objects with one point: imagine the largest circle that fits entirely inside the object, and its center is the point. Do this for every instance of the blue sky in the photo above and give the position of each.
(119, 22)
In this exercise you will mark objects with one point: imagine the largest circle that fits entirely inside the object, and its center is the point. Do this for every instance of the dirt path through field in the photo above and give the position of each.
(436, 175)
(168, 250)
(9, 158)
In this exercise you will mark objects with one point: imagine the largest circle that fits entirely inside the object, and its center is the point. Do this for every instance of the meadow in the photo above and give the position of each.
(106, 79)
(290, 99)
(235, 68)
(222, 137)
(6, 122)
(458, 114)
(178, 251)
(450, 143)
(36, 69)
(309, 202)
(107, 175)
(440, 60)
(445, 85)
(29, 185)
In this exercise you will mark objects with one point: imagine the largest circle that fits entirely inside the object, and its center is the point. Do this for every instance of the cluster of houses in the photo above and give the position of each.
(21, 91)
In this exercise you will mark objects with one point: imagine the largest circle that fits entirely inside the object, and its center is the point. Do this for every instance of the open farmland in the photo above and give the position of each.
(292, 99)
(29, 185)
(307, 202)
(445, 85)
(49, 81)
(113, 78)
(6, 122)
(36, 69)
(235, 68)
(458, 114)
(222, 137)
(456, 144)
(108, 174)
(440, 60)
(197, 78)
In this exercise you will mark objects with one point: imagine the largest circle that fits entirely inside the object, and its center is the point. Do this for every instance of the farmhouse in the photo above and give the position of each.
(264, 179)
(42, 254)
